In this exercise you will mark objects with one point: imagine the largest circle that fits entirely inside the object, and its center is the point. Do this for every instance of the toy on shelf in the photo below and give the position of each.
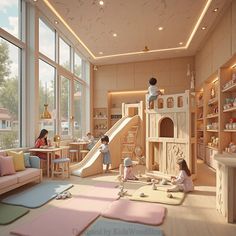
(231, 148)
(231, 125)
(214, 142)
(231, 82)
(212, 126)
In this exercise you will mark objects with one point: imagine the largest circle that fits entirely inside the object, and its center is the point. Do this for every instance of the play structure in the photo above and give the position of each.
(170, 134)
(124, 135)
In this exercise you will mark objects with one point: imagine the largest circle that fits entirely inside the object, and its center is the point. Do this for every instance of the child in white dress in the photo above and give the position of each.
(183, 181)
(104, 149)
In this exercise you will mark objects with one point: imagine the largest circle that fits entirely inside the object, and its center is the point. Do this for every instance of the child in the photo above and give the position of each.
(183, 181)
(153, 92)
(104, 149)
(128, 170)
(90, 139)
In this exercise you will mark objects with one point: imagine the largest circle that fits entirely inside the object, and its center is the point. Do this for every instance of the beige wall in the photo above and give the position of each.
(218, 48)
(171, 74)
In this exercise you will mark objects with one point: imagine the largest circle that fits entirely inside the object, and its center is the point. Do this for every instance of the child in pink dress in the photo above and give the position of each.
(128, 170)
(183, 181)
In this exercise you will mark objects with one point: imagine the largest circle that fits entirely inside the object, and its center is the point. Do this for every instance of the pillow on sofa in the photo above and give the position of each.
(18, 160)
(27, 160)
(6, 166)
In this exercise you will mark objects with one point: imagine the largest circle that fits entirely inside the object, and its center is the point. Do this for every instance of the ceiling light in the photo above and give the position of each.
(146, 49)
(35, 0)
(204, 27)
(56, 22)
(100, 53)
(160, 28)
(180, 43)
(114, 35)
(101, 3)
(216, 9)
(233, 66)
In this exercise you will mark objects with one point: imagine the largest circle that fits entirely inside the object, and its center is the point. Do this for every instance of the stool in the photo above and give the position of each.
(73, 154)
(61, 166)
(43, 165)
(83, 153)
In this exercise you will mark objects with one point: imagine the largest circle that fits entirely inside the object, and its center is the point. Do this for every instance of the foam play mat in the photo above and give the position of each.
(158, 196)
(9, 213)
(106, 227)
(37, 195)
(139, 212)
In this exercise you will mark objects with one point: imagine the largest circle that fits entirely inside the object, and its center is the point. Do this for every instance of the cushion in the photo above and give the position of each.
(8, 181)
(18, 160)
(6, 166)
(27, 160)
(27, 174)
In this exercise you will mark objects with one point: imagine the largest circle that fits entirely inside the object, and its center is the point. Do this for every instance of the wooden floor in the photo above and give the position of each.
(197, 215)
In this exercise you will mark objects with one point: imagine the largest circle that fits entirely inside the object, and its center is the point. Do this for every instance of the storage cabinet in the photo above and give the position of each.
(100, 121)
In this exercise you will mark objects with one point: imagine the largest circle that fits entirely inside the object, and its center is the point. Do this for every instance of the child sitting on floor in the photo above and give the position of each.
(183, 181)
(128, 170)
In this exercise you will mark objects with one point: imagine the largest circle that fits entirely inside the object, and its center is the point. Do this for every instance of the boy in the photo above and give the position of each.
(153, 92)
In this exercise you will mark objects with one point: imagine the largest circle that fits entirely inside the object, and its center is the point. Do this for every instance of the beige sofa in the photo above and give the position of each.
(33, 174)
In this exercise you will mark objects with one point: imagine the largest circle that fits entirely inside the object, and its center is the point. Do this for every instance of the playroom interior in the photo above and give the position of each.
(89, 145)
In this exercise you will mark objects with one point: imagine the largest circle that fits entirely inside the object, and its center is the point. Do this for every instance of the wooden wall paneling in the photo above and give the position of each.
(233, 27)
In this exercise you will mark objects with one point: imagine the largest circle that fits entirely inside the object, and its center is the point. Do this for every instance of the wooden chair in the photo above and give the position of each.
(73, 154)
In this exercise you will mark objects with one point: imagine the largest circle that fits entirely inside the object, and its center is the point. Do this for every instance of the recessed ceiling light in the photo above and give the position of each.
(35, 0)
(101, 3)
(160, 28)
(100, 53)
(180, 43)
(204, 27)
(56, 22)
(114, 35)
(216, 9)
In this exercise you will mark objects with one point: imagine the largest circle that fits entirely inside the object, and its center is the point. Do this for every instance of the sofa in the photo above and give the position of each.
(31, 173)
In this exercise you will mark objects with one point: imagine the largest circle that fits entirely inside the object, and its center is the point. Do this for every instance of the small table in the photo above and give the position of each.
(79, 145)
(50, 151)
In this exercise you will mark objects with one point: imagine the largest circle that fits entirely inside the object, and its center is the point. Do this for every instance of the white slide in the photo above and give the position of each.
(92, 163)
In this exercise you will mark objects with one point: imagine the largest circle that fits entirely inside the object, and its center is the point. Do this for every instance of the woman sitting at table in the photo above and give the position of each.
(42, 142)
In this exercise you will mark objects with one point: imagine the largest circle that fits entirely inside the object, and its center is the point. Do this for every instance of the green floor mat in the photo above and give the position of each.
(9, 213)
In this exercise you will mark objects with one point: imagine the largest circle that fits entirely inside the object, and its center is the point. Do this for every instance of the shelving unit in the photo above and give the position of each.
(200, 125)
(100, 121)
(216, 114)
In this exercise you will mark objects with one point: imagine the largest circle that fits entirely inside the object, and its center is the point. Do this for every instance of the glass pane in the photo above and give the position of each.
(9, 16)
(46, 40)
(77, 109)
(47, 96)
(64, 54)
(65, 106)
(9, 95)
(77, 65)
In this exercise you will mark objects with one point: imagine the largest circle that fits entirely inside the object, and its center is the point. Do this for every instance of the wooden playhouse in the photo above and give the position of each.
(170, 134)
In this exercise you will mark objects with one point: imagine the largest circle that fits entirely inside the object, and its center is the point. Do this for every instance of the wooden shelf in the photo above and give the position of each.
(212, 130)
(213, 101)
(231, 88)
(99, 118)
(229, 130)
(200, 106)
(200, 130)
(199, 119)
(230, 109)
(210, 116)
(213, 148)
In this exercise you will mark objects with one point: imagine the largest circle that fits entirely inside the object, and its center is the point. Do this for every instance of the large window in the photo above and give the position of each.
(64, 52)
(77, 109)
(9, 95)
(65, 96)
(47, 39)
(47, 96)
(77, 65)
(10, 16)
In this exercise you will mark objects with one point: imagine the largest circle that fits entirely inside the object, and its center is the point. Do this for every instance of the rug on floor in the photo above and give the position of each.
(9, 213)
(139, 212)
(72, 216)
(105, 227)
(157, 196)
(38, 195)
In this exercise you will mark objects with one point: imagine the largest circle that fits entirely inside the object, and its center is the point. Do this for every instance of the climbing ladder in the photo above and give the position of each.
(128, 142)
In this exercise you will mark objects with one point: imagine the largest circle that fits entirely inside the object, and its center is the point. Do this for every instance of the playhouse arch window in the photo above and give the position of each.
(166, 128)
(170, 102)
(160, 103)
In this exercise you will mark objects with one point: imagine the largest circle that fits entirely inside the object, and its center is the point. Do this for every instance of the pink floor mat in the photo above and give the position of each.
(73, 216)
(140, 212)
